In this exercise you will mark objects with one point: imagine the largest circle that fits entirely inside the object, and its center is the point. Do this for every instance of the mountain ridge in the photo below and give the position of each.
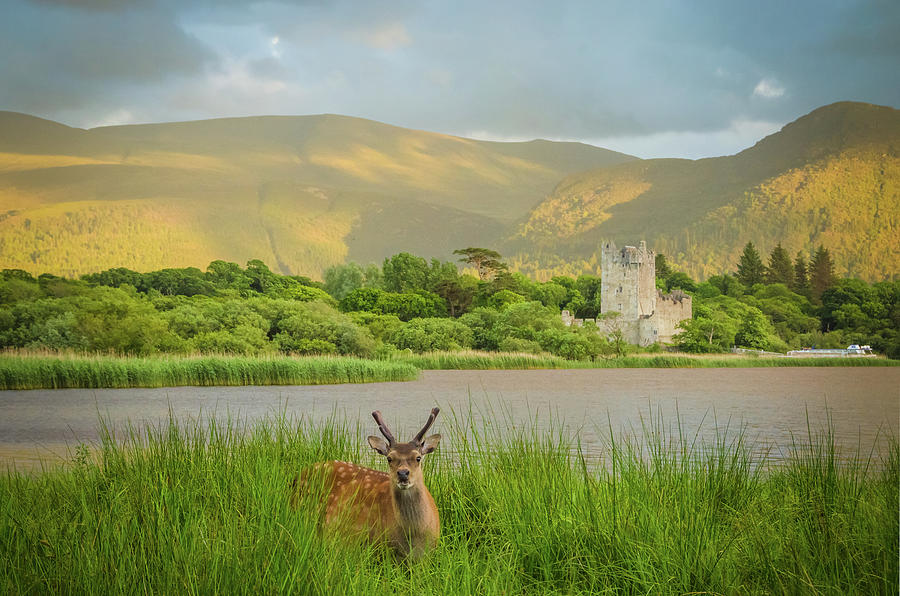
(305, 192)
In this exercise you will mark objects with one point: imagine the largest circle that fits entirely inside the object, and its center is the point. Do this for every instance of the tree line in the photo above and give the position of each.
(411, 303)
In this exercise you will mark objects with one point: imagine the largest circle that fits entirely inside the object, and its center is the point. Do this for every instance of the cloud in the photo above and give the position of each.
(768, 89)
(668, 72)
(390, 36)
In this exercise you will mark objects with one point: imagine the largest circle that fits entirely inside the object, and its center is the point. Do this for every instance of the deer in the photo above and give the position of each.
(392, 507)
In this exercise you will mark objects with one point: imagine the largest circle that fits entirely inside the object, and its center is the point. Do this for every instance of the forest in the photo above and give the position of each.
(412, 305)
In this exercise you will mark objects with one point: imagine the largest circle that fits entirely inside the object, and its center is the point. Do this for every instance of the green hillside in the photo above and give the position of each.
(832, 177)
(301, 193)
(305, 192)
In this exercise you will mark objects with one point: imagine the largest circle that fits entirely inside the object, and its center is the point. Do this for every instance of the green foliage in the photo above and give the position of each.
(750, 269)
(404, 272)
(340, 280)
(821, 273)
(504, 298)
(801, 276)
(433, 334)
(780, 270)
(487, 262)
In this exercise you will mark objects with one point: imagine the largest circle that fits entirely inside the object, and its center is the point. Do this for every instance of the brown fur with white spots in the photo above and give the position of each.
(394, 507)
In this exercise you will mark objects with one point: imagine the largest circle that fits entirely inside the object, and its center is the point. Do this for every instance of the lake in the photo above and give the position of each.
(770, 404)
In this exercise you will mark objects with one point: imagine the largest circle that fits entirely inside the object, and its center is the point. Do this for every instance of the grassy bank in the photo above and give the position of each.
(49, 371)
(497, 360)
(205, 510)
(56, 372)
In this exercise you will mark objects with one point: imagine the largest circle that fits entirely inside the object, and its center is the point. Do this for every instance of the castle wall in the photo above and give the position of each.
(671, 309)
(628, 287)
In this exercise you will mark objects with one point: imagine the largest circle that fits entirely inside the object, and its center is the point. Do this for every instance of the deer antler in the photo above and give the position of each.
(421, 433)
(383, 427)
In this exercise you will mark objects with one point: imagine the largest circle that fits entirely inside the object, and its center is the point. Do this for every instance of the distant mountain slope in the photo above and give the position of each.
(831, 177)
(299, 192)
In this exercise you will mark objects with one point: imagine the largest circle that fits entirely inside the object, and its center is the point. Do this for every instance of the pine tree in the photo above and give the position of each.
(750, 268)
(821, 273)
(801, 276)
(780, 270)
(662, 266)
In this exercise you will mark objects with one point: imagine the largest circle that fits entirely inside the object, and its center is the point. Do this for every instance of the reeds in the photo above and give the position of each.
(56, 372)
(204, 509)
(504, 360)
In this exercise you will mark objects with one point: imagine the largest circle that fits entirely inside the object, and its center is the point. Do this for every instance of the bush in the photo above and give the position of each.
(429, 335)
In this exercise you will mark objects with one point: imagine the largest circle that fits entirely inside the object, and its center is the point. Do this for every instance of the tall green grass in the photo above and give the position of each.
(504, 360)
(56, 372)
(194, 509)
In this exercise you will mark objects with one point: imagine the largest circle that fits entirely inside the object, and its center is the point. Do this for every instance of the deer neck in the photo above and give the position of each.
(410, 504)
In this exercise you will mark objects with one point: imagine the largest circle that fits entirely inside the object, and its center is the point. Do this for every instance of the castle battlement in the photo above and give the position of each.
(629, 255)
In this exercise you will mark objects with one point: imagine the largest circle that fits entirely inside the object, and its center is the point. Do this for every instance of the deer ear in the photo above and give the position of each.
(430, 443)
(378, 444)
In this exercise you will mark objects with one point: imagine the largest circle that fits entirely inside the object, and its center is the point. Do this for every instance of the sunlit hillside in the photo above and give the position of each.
(300, 193)
(303, 193)
(832, 177)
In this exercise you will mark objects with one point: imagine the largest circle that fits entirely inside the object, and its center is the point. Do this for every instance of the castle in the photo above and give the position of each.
(628, 287)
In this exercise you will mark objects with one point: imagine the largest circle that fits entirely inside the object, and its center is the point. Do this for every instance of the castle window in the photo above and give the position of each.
(619, 290)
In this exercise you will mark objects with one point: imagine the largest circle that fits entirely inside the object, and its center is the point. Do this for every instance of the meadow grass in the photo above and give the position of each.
(464, 360)
(73, 371)
(204, 509)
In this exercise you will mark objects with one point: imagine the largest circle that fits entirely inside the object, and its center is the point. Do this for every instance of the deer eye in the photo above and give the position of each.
(390, 459)
(418, 458)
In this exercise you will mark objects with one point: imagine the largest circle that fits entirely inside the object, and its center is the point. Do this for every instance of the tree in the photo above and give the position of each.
(780, 270)
(458, 292)
(663, 269)
(404, 272)
(487, 262)
(821, 273)
(680, 281)
(340, 280)
(750, 268)
(801, 276)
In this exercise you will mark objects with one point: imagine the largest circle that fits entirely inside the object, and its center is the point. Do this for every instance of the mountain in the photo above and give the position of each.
(299, 192)
(305, 192)
(831, 177)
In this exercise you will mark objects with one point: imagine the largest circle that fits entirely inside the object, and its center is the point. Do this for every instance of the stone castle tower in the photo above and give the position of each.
(628, 282)
(628, 287)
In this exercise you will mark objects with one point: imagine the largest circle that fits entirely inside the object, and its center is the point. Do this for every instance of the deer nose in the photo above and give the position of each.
(403, 475)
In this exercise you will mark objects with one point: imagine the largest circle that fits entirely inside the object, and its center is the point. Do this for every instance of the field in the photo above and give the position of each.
(204, 509)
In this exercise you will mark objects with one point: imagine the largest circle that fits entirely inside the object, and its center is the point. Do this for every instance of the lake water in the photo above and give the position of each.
(770, 404)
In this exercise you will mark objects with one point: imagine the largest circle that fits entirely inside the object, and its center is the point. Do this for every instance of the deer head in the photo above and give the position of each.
(405, 459)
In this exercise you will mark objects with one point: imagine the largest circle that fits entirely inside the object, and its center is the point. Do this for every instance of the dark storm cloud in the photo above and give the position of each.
(503, 69)
(64, 55)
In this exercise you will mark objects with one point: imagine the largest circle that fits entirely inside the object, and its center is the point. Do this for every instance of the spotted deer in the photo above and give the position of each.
(393, 507)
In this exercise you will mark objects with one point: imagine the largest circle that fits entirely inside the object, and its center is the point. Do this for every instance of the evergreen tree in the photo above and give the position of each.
(800, 284)
(780, 269)
(750, 268)
(488, 262)
(663, 269)
(821, 273)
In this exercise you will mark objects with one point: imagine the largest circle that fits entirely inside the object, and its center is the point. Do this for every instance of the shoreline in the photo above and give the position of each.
(25, 371)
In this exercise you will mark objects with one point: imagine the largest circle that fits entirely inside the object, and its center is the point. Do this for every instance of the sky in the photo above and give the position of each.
(659, 78)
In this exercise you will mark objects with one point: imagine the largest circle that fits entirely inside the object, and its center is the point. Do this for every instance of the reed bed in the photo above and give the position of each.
(87, 372)
(474, 360)
(204, 509)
